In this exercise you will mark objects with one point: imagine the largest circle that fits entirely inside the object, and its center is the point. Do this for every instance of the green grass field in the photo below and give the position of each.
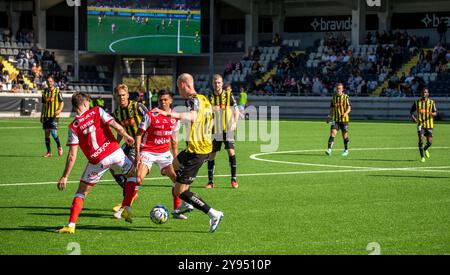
(297, 201)
(133, 38)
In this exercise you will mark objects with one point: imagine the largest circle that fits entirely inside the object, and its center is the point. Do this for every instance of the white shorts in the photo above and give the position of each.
(162, 159)
(117, 162)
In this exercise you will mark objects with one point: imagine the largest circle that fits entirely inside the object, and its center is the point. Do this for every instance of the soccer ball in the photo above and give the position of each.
(159, 214)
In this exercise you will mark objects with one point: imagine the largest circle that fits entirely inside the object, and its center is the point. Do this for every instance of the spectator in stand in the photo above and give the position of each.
(317, 87)
(7, 34)
(306, 84)
(276, 41)
(238, 67)
(21, 58)
(228, 68)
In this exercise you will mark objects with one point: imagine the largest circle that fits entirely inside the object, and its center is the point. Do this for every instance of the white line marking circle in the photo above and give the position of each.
(144, 36)
(256, 157)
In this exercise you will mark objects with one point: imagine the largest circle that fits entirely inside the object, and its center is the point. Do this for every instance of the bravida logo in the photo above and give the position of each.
(373, 3)
(72, 3)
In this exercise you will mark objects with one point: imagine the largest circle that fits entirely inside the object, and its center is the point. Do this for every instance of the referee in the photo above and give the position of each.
(52, 105)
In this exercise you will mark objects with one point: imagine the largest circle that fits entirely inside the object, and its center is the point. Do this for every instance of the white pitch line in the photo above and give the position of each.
(412, 169)
(255, 156)
(21, 127)
(144, 36)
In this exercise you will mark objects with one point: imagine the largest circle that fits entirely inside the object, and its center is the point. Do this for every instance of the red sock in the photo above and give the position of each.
(176, 199)
(130, 192)
(77, 205)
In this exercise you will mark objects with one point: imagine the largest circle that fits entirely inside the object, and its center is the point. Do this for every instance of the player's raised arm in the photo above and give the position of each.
(185, 116)
(70, 162)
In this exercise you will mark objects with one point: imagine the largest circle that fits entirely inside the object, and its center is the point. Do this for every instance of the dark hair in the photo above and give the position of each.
(78, 98)
(165, 92)
(50, 76)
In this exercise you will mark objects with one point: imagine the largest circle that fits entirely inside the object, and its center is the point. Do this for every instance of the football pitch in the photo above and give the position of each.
(294, 201)
(137, 38)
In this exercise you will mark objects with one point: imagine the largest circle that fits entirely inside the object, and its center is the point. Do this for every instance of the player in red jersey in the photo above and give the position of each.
(154, 138)
(91, 131)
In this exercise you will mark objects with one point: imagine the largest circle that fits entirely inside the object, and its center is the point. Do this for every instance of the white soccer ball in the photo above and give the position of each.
(159, 214)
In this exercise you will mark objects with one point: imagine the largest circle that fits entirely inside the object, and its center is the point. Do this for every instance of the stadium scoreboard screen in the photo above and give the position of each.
(144, 27)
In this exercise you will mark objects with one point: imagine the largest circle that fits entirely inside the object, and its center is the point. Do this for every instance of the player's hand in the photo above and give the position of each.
(159, 111)
(62, 183)
(129, 140)
(233, 126)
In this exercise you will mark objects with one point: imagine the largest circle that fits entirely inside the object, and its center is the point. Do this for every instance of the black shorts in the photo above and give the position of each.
(428, 132)
(50, 123)
(190, 163)
(343, 126)
(225, 138)
(129, 151)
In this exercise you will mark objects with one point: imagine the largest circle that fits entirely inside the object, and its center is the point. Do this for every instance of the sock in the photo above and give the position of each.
(346, 144)
(427, 146)
(121, 180)
(56, 138)
(195, 201)
(213, 213)
(233, 166)
(330, 142)
(77, 205)
(131, 189)
(176, 199)
(421, 149)
(47, 144)
(211, 168)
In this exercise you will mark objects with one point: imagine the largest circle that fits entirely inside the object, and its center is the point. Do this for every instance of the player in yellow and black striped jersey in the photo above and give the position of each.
(226, 115)
(52, 105)
(340, 108)
(129, 114)
(423, 111)
(198, 120)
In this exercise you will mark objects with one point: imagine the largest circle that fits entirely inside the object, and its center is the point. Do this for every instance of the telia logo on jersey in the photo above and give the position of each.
(71, 3)
(373, 3)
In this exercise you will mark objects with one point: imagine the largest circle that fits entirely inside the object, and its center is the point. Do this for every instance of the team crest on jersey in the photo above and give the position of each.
(76, 123)
(173, 120)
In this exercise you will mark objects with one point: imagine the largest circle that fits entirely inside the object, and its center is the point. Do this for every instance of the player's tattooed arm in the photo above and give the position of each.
(121, 131)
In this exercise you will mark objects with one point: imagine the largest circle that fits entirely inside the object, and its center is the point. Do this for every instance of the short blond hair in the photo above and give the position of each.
(121, 87)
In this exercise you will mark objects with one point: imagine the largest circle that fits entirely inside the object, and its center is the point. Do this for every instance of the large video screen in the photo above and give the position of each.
(144, 26)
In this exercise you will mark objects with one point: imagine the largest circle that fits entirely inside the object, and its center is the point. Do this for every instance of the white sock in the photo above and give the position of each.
(71, 224)
(212, 213)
